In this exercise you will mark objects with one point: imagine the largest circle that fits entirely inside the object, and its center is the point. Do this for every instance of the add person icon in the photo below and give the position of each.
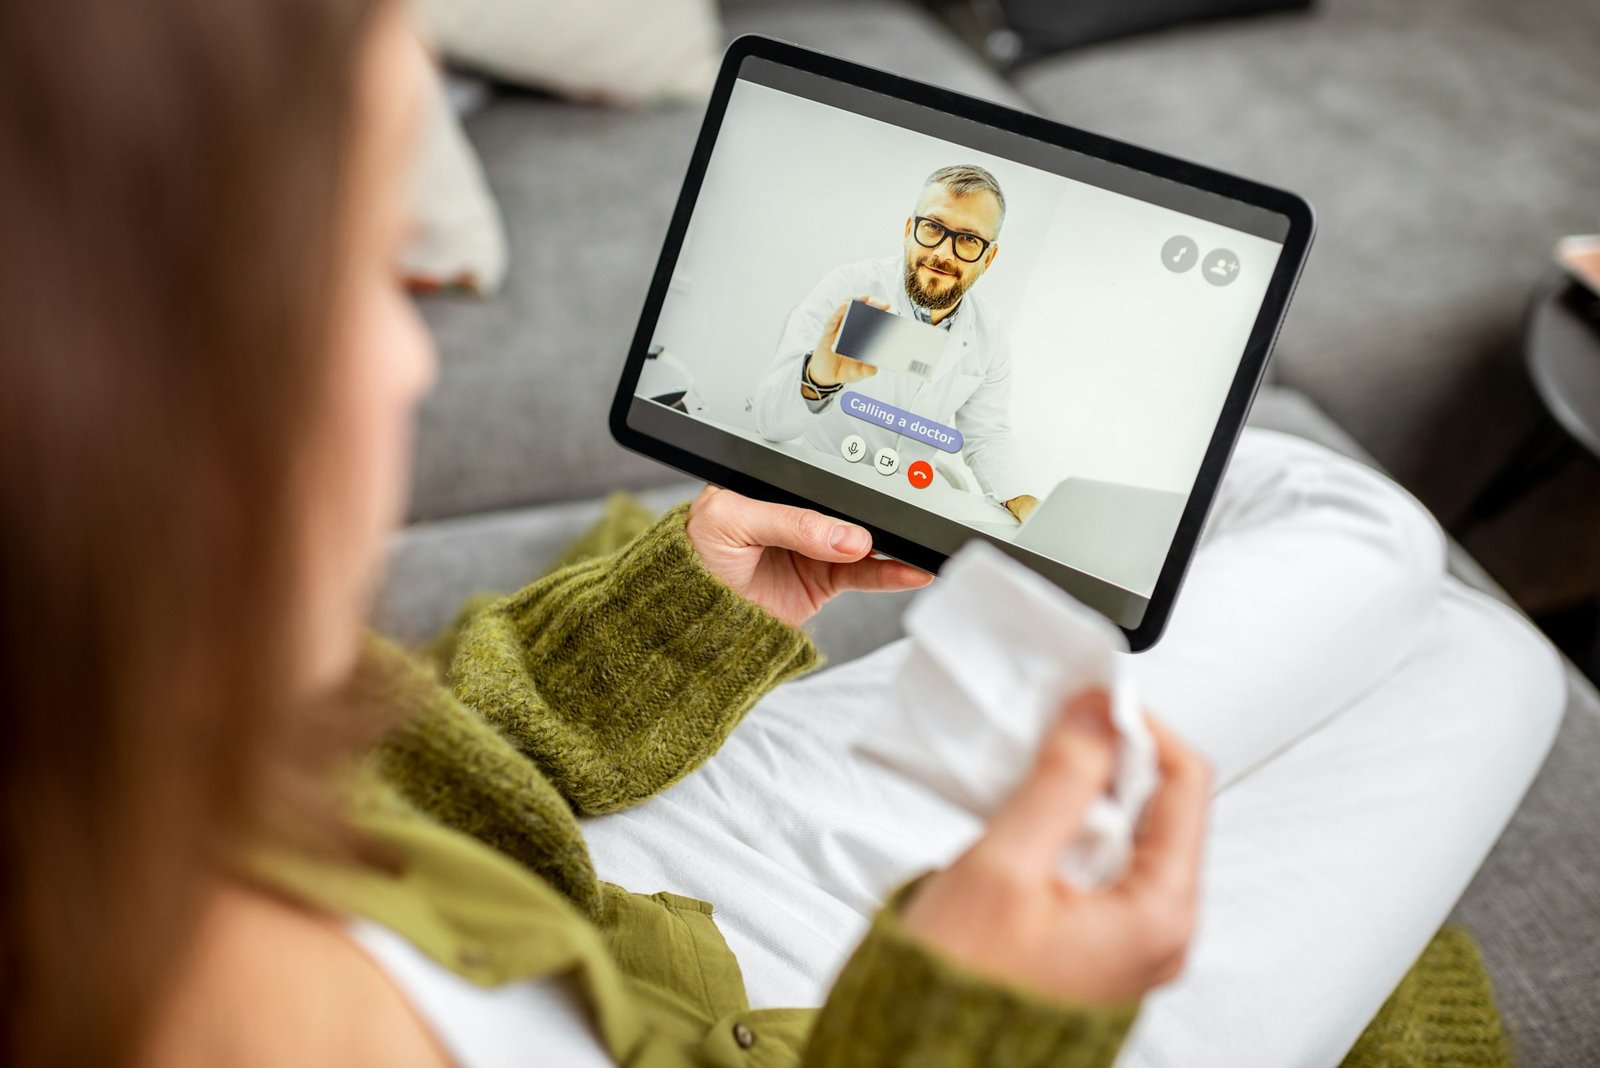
(1221, 266)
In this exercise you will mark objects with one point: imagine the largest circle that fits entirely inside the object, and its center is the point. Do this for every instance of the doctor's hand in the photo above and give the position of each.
(827, 367)
(1022, 506)
(790, 561)
(1003, 910)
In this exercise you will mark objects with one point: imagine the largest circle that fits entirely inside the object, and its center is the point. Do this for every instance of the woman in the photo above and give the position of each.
(230, 836)
(200, 471)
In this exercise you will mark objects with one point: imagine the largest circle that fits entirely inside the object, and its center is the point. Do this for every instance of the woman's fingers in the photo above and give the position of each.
(1074, 766)
(872, 576)
(1001, 910)
(1166, 855)
(739, 521)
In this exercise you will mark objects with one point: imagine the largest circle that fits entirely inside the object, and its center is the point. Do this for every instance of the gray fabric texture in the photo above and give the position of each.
(1535, 904)
(1445, 145)
(518, 415)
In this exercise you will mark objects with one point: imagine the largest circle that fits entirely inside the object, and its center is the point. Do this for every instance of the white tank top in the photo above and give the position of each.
(532, 1022)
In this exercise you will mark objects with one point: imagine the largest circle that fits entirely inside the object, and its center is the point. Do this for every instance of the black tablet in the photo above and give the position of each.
(945, 319)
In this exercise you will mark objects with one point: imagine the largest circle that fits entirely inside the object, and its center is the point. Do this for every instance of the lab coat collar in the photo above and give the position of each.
(925, 315)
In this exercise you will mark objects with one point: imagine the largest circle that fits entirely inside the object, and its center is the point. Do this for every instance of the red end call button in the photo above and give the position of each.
(920, 474)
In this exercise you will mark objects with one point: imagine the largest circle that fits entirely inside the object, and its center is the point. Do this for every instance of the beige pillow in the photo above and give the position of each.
(460, 240)
(619, 51)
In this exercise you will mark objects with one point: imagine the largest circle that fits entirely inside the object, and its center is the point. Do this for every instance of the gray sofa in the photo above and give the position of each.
(1388, 329)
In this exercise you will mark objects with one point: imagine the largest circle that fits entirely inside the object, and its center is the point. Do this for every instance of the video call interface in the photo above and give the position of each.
(1025, 341)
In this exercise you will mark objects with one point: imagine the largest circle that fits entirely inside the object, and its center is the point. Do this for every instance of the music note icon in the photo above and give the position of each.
(1179, 253)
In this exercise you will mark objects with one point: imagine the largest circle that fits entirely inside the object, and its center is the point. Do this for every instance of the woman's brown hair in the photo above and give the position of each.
(170, 207)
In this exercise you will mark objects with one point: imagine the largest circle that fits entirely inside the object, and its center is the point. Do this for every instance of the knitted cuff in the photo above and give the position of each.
(622, 674)
(658, 600)
(898, 1002)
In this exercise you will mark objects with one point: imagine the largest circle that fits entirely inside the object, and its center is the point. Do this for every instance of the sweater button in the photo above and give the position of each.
(744, 1036)
(472, 960)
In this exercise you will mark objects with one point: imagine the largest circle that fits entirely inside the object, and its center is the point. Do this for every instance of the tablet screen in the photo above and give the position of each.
(960, 329)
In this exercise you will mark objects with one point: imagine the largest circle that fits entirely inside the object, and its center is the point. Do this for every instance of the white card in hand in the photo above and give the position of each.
(890, 342)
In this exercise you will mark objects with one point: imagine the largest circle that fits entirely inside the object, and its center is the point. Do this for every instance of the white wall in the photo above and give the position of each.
(1121, 365)
(846, 184)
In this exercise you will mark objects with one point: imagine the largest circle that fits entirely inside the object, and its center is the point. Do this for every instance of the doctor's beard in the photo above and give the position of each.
(934, 301)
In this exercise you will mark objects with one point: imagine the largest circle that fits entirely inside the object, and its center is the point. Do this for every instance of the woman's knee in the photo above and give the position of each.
(1284, 480)
(1389, 518)
(1509, 670)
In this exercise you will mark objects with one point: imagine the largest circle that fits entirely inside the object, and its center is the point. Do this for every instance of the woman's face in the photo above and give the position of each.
(382, 360)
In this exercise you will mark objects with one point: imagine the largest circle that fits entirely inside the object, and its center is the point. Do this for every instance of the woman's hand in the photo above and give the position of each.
(790, 561)
(1004, 911)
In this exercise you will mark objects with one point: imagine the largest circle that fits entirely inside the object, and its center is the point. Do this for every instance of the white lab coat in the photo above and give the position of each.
(970, 391)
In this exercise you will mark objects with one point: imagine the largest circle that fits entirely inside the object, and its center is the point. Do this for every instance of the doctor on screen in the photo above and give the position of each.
(950, 241)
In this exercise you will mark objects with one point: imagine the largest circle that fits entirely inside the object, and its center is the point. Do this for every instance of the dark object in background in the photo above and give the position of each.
(1011, 32)
(1576, 632)
(1561, 349)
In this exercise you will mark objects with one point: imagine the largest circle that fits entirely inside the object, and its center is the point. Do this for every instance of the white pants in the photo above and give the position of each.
(1372, 725)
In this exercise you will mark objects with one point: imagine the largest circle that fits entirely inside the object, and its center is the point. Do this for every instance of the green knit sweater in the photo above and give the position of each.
(589, 691)
(598, 686)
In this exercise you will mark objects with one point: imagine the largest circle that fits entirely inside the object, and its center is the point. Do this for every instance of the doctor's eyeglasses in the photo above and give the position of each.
(931, 234)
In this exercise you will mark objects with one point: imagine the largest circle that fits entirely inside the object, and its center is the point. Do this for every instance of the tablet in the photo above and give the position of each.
(945, 319)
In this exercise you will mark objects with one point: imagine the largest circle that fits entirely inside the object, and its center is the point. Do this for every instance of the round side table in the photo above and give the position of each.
(1561, 347)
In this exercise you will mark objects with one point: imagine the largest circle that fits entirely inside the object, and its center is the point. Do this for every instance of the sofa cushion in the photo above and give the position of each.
(602, 49)
(458, 239)
(1445, 145)
(519, 413)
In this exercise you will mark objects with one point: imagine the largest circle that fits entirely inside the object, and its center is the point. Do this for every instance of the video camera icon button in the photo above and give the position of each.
(920, 474)
(853, 448)
(887, 461)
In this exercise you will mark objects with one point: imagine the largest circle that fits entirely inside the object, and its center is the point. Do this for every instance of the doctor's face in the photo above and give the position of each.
(937, 277)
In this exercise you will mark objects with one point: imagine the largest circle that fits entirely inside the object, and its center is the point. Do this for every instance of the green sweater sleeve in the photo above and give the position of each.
(898, 1002)
(620, 674)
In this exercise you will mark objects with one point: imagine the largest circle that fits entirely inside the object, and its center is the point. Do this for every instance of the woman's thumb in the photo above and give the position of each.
(808, 533)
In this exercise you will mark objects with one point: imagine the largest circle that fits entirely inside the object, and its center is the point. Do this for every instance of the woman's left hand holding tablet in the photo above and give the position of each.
(790, 561)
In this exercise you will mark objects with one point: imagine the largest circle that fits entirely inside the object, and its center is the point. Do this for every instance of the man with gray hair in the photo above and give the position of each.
(949, 241)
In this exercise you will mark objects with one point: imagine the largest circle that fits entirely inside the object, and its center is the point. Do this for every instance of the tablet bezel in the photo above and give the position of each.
(1236, 406)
